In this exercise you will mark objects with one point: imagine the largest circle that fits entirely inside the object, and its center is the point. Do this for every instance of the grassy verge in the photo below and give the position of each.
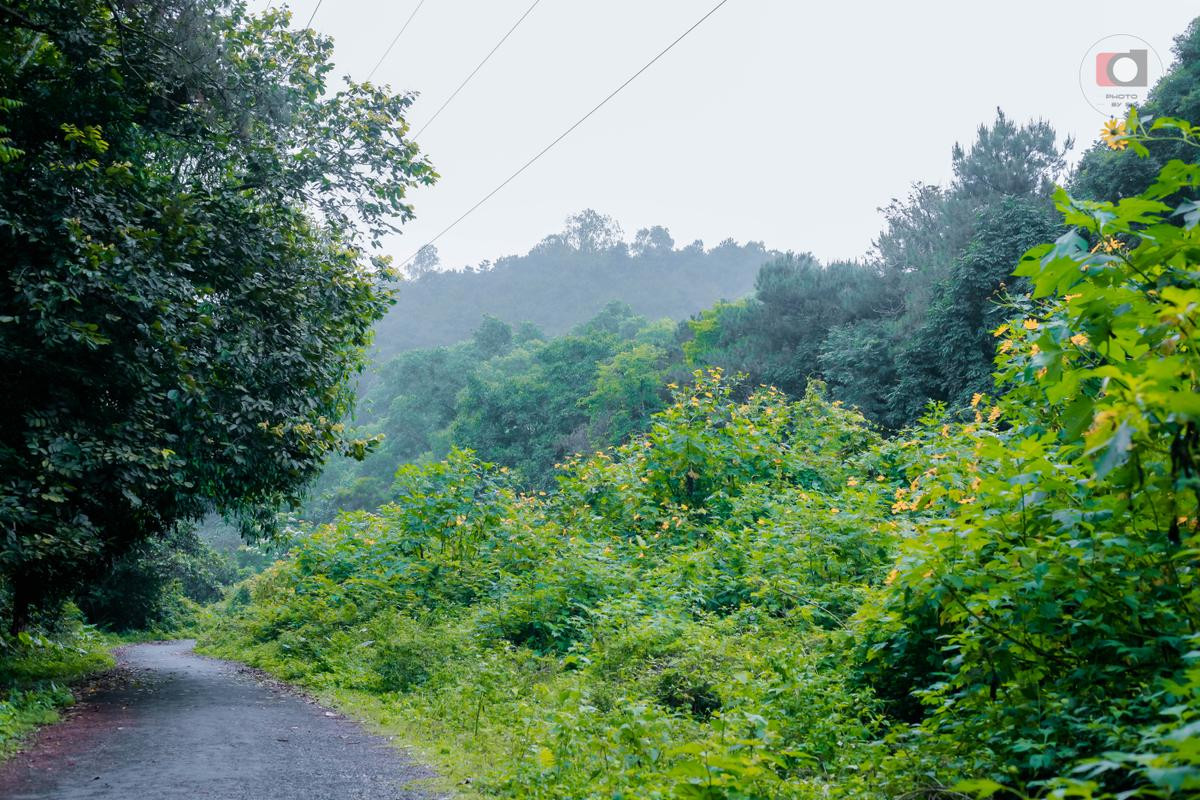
(37, 670)
(437, 740)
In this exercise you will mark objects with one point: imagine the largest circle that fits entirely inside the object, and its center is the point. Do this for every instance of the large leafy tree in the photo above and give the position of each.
(186, 213)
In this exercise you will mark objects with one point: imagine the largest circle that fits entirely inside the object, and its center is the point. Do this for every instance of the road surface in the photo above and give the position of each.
(170, 725)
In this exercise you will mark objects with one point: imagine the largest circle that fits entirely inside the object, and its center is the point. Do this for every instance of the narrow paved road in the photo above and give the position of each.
(174, 725)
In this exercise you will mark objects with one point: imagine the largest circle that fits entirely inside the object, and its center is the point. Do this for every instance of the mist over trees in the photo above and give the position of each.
(564, 280)
(909, 324)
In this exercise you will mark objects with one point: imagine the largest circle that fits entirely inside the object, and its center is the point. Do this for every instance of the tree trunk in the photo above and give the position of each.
(22, 605)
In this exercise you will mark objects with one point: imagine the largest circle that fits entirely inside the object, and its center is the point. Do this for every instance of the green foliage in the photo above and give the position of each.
(1046, 614)
(949, 357)
(628, 388)
(37, 668)
(913, 323)
(514, 398)
(186, 206)
(1107, 173)
(148, 588)
(667, 622)
(776, 337)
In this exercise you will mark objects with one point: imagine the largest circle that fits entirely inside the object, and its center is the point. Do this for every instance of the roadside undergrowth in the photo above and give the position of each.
(38, 669)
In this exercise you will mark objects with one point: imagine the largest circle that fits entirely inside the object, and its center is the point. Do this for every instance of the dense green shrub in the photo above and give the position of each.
(1046, 614)
(37, 668)
(635, 605)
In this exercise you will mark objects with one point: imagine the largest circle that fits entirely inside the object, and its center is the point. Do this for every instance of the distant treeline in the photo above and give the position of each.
(565, 280)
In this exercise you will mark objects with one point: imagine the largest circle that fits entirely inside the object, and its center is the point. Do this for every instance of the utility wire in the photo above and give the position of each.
(313, 15)
(403, 28)
(478, 67)
(567, 132)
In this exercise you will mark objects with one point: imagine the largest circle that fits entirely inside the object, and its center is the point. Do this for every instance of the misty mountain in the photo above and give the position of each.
(564, 280)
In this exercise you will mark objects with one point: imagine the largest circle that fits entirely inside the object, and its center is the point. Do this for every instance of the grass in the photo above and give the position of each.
(427, 738)
(37, 670)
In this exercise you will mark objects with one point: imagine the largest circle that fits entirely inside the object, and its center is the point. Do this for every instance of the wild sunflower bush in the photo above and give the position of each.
(1045, 611)
(659, 624)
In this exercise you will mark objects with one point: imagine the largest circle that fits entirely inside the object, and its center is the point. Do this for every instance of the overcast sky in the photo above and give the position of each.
(782, 121)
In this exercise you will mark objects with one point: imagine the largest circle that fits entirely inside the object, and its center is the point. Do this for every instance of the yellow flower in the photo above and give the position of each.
(1079, 340)
(975, 398)
(994, 414)
(891, 577)
(852, 482)
(1030, 324)
(1006, 345)
(1113, 134)
(834, 510)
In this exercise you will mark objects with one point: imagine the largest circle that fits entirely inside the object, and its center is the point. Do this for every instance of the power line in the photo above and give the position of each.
(403, 28)
(313, 15)
(567, 132)
(478, 67)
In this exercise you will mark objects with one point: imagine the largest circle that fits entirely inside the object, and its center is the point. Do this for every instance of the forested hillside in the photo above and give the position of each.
(564, 281)
(910, 324)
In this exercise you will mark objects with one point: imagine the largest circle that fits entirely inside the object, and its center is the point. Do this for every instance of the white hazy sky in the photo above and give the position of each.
(782, 121)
